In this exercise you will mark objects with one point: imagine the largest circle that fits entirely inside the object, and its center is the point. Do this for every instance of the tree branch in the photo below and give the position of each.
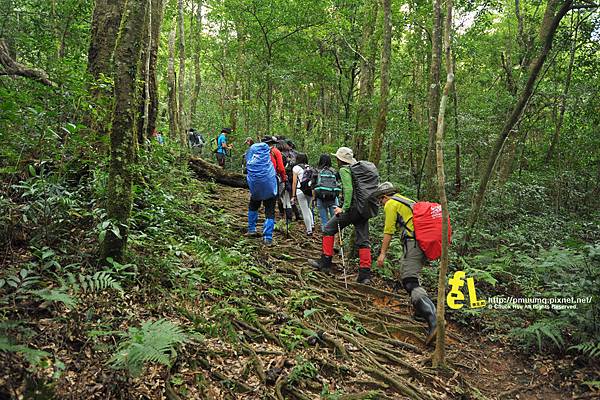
(14, 68)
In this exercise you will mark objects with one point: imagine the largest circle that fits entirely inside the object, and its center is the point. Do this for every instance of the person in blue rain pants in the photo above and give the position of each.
(262, 181)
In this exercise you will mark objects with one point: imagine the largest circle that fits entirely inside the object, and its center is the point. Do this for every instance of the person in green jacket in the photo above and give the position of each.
(344, 216)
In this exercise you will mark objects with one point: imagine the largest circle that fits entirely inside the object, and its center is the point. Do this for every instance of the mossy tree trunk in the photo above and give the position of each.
(174, 127)
(181, 50)
(157, 10)
(122, 135)
(105, 27)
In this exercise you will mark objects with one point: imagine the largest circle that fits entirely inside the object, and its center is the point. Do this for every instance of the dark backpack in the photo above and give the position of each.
(307, 179)
(326, 185)
(365, 180)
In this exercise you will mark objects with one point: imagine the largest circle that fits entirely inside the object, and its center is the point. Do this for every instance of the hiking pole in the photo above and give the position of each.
(342, 253)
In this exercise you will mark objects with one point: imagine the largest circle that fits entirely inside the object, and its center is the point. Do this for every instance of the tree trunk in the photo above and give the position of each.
(550, 23)
(182, 115)
(174, 127)
(439, 356)
(105, 27)
(157, 11)
(366, 80)
(563, 101)
(142, 122)
(197, 71)
(377, 142)
(122, 139)
(427, 187)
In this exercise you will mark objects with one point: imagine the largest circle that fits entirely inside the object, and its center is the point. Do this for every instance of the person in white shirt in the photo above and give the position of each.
(303, 197)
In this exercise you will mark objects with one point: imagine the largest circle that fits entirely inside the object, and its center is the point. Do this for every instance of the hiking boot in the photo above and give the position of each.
(364, 276)
(323, 264)
(252, 234)
(425, 308)
(267, 242)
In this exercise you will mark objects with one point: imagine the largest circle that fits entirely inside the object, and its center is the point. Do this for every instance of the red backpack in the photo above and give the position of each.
(427, 219)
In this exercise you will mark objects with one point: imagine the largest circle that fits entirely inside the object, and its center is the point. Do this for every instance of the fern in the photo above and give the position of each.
(56, 295)
(98, 282)
(589, 349)
(539, 331)
(33, 356)
(155, 342)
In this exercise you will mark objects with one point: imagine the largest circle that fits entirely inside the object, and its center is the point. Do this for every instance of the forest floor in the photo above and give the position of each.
(478, 367)
(266, 326)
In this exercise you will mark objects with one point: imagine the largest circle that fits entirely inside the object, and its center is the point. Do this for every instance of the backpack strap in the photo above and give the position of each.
(409, 204)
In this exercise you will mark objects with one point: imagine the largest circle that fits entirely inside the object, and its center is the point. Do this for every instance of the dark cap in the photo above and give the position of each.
(226, 130)
(269, 139)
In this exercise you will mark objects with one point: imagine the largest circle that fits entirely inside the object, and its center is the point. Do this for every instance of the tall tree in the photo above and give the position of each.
(181, 49)
(122, 135)
(197, 31)
(366, 78)
(157, 11)
(175, 131)
(439, 356)
(105, 28)
(555, 11)
(427, 182)
(380, 127)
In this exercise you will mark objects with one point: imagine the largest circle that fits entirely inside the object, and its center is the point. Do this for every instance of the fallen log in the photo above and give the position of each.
(210, 172)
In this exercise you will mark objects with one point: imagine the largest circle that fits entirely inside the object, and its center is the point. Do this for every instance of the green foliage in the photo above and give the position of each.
(33, 356)
(546, 331)
(154, 342)
(589, 349)
(303, 369)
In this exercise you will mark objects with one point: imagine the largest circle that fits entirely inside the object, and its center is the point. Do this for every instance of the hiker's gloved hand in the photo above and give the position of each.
(337, 210)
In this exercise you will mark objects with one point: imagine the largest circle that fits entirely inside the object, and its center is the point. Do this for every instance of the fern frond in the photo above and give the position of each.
(56, 295)
(589, 349)
(98, 282)
(155, 342)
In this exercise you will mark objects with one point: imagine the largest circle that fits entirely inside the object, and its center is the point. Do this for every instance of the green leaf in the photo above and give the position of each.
(31, 170)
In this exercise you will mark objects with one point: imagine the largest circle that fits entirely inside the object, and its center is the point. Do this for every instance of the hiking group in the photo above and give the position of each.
(276, 173)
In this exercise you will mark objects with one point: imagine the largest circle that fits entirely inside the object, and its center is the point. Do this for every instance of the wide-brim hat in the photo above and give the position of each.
(345, 154)
(384, 189)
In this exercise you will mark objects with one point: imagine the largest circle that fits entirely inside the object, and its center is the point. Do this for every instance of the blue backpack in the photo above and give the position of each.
(261, 177)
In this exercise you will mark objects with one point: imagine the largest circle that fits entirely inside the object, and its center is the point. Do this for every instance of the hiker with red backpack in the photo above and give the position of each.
(421, 230)
(360, 180)
(302, 184)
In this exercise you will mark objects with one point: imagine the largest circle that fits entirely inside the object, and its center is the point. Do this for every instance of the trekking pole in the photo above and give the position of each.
(342, 253)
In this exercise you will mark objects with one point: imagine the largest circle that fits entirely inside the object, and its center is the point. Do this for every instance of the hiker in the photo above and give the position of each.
(262, 181)
(290, 155)
(222, 146)
(398, 213)
(286, 193)
(248, 142)
(277, 160)
(301, 182)
(196, 141)
(359, 180)
(326, 189)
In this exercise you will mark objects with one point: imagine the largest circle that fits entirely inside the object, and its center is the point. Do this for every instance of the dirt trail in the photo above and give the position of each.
(384, 347)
